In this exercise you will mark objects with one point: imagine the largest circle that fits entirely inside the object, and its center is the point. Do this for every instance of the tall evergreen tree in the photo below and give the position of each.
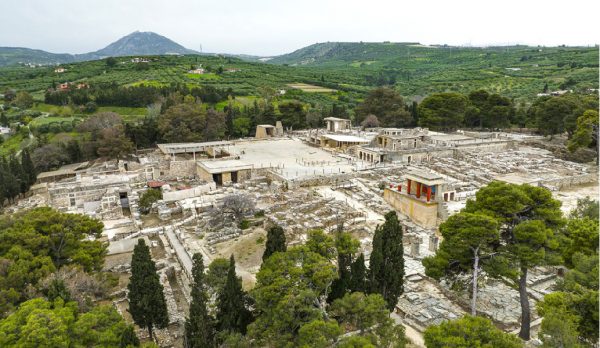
(147, 303)
(232, 314)
(3, 120)
(346, 247)
(28, 167)
(275, 241)
(74, 151)
(199, 331)
(358, 275)
(17, 171)
(10, 184)
(229, 116)
(386, 274)
(129, 338)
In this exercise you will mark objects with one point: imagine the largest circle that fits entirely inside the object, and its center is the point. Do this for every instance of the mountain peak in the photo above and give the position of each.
(142, 43)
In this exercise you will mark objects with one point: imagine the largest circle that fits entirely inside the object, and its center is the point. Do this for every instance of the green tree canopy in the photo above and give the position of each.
(469, 332)
(199, 330)
(387, 105)
(147, 303)
(368, 314)
(443, 111)
(468, 241)
(42, 323)
(530, 219)
(232, 313)
(148, 198)
(275, 241)
(62, 237)
(290, 292)
(386, 269)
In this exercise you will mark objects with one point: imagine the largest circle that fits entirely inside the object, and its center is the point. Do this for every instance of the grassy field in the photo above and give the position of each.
(304, 87)
(38, 121)
(124, 111)
(11, 145)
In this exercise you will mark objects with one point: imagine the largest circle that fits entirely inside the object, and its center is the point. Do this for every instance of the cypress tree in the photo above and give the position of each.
(232, 314)
(10, 183)
(199, 331)
(3, 120)
(74, 151)
(358, 274)
(2, 183)
(147, 303)
(275, 242)
(346, 247)
(386, 274)
(28, 167)
(17, 172)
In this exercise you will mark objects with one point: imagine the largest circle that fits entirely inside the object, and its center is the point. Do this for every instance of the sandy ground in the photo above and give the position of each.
(413, 335)
(293, 157)
(569, 196)
(247, 250)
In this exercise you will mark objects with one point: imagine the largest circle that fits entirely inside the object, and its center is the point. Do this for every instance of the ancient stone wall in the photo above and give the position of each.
(422, 213)
(189, 193)
(569, 181)
(182, 168)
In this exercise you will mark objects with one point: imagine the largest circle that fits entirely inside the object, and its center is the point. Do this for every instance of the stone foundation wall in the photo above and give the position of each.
(422, 213)
(492, 146)
(182, 168)
(569, 181)
(189, 193)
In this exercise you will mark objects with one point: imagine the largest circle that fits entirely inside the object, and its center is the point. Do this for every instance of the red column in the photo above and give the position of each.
(399, 188)
(418, 190)
(408, 186)
(428, 193)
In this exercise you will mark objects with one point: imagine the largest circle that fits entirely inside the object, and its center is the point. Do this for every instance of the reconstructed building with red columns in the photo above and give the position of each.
(420, 197)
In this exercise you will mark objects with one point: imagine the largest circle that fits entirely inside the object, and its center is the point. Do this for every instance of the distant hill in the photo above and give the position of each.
(332, 52)
(134, 44)
(144, 44)
(15, 55)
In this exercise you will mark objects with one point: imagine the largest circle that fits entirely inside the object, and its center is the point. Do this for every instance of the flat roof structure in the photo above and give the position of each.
(220, 166)
(335, 119)
(265, 126)
(426, 178)
(450, 137)
(346, 138)
(170, 149)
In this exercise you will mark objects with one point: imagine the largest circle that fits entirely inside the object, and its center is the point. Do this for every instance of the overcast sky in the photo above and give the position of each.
(270, 27)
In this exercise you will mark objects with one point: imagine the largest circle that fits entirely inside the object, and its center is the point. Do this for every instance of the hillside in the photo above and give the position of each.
(136, 43)
(351, 69)
(16, 55)
(416, 70)
(142, 43)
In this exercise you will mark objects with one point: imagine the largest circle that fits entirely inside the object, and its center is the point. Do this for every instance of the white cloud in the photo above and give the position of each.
(268, 27)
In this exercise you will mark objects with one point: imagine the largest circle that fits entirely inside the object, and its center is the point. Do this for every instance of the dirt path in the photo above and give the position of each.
(413, 335)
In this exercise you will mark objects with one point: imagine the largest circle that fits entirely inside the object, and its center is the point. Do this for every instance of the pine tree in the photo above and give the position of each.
(232, 314)
(275, 241)
(358, 274)
(147, 303)
(199, 332)
(386, 274)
